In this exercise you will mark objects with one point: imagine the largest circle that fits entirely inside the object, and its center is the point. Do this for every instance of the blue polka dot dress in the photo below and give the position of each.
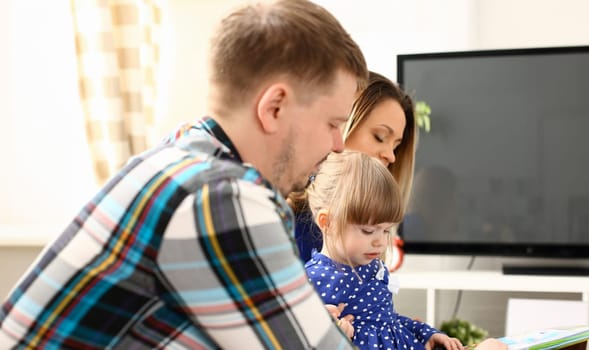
(376, 324)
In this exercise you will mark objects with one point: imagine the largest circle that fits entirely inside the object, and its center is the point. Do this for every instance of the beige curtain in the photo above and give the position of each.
(117, 51)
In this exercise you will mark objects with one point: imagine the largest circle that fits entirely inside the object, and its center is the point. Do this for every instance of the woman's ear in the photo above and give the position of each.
(323, 220)
(271, 105)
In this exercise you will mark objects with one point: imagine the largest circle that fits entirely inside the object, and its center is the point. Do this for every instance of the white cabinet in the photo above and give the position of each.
(433, 281)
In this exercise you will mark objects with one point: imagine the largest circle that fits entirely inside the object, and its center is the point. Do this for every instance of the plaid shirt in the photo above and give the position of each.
(186, 248)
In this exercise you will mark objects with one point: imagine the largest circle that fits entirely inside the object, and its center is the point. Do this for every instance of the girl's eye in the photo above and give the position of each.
(368, 232)
(387, 232)
(379, 138)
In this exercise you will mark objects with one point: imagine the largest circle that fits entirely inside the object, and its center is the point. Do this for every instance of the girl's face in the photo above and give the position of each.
(360, 244)
(380, 132)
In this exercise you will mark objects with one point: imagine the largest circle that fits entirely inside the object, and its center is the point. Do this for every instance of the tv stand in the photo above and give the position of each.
(545, 270)
(435, 280)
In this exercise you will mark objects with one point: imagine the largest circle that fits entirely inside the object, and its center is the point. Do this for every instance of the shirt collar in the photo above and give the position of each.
(214, 129)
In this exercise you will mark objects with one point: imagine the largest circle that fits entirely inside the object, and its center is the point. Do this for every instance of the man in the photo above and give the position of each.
(190, 245)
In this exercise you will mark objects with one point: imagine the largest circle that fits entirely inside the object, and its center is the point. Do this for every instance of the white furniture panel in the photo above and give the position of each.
(433, 281)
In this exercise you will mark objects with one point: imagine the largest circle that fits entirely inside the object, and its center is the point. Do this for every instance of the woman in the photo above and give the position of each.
(382, 125)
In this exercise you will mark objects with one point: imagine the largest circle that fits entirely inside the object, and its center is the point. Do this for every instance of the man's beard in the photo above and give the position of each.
(300, 186)
(284, 175)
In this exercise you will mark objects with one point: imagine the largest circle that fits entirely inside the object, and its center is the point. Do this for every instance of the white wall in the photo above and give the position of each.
(45, 173)
(5, 108)
(188, 26)
(532, 23)
(45, 166)
(383, 29)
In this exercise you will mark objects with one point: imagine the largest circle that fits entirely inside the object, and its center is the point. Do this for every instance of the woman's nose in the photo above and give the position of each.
(387, 157)
(338, 142)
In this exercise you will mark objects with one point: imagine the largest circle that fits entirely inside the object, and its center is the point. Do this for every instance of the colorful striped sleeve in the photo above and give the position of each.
(237, 273)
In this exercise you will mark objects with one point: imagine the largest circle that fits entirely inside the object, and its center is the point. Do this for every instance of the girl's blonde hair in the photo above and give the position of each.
(355, 189)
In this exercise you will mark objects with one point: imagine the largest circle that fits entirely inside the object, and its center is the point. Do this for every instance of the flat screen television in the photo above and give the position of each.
(504, 170)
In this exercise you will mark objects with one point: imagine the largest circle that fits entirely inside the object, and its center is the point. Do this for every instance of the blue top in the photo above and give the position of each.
(307, 235)
(376, 323)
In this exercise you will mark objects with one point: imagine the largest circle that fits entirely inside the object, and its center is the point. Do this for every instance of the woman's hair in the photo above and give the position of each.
(297, 39)
(355, 189)
(380, 89)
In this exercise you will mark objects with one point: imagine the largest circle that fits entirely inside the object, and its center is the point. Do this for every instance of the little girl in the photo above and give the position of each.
(355, 201)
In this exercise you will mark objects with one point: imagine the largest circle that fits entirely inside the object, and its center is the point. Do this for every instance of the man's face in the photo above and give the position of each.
(313, 131)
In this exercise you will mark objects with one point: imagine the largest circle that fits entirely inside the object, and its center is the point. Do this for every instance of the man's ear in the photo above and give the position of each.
(323, 220)
(270, 106)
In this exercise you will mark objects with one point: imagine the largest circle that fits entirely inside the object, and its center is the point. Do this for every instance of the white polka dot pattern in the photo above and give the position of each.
(376, 324)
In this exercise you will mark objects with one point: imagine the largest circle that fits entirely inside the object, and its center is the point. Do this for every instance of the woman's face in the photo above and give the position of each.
(380, 132)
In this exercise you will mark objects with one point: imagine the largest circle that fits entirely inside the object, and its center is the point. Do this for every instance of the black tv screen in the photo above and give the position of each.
(504, 169)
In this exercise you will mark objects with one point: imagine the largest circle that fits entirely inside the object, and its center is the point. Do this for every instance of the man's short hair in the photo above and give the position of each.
(293, 38)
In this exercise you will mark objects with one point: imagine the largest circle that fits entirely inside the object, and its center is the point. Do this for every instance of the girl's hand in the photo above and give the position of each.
(344, 322)
(443, 340)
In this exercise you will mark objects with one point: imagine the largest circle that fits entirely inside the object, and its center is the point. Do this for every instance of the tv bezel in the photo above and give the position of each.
(518, 249)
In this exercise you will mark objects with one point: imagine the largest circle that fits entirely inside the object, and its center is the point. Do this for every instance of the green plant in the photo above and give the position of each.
(422, 112)
(465, 331)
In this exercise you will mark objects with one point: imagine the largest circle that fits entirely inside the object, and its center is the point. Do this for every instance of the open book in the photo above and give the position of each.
(550, 338)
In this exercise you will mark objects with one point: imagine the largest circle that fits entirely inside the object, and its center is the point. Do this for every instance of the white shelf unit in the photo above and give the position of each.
(432, 281)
